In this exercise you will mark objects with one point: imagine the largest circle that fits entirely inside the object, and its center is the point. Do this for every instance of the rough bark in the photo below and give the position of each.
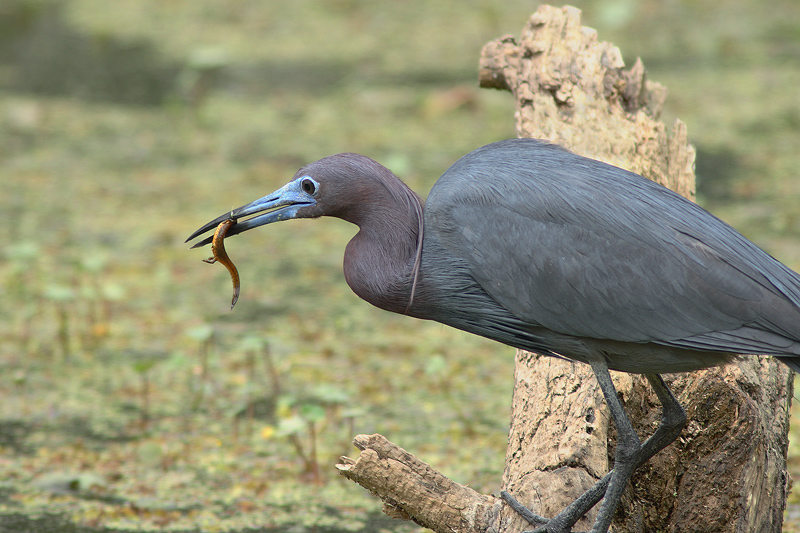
(412, 490)
(727, 472)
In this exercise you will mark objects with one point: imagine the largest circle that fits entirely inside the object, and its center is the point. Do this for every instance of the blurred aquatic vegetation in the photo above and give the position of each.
(47, 55)
(125, 125)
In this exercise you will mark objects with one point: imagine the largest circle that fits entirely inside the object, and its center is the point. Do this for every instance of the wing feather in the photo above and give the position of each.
(588, 249)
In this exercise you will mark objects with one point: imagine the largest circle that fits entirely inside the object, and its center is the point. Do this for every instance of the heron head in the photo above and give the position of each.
(341, 185)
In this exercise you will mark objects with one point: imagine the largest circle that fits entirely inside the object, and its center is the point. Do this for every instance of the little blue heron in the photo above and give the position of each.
(526, 243)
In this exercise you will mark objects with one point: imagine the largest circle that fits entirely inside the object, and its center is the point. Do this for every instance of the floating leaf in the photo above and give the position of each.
(312, 412)
(61, 482)
(114, 291)
(208, 58)
(143, 365)
(59, 293)
(330, 394)
(178, 361)
(291, 426)
(436, 366)
(252, 343)
(283, 407)
(201, 333)
(150, 453)
(94, 262)
(353, 412)
(88, 481)
(22, 251)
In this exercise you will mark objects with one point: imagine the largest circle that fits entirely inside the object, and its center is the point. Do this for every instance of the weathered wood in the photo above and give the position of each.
(727, 472)
(412, 490)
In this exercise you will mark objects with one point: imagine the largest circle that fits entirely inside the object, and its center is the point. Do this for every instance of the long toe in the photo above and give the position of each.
(532, 518)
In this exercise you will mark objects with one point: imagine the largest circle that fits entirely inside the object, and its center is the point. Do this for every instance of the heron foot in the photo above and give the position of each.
(532, 518)
(559, 524)
(563, 522)
(628, 457)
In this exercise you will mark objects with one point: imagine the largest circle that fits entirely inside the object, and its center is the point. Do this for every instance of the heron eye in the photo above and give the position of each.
(308, 186)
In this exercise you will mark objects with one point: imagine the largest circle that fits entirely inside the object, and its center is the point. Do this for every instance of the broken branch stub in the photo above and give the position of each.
(412, 490)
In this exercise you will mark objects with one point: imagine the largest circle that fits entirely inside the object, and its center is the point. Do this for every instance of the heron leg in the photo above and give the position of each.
(673, 420)
(629, 455)
(627, 451)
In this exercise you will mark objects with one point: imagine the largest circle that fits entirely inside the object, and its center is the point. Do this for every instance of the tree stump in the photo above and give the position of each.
(727, 472)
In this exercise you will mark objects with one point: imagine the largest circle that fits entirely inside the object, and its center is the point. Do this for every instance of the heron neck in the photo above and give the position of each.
(379, 261)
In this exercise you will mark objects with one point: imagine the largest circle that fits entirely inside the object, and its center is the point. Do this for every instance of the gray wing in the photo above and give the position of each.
(589, 250)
